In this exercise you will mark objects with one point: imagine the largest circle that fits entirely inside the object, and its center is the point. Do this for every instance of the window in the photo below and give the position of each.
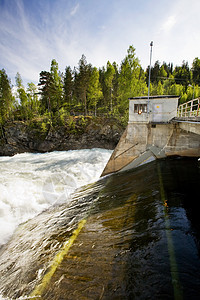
(140, 108)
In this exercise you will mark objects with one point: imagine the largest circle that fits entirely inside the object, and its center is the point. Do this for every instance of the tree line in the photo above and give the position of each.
(87, 90)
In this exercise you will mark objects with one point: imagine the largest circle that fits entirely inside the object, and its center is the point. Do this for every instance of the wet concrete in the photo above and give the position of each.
(140, 240)
(143, 142)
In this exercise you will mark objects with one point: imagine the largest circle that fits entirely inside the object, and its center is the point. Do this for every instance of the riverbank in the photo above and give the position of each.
(77, 133)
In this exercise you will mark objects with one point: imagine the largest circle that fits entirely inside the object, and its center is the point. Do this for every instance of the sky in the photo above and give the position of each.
(33, 32)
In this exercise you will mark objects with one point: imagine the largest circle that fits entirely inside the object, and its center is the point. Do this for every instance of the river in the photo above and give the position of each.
(66, 234)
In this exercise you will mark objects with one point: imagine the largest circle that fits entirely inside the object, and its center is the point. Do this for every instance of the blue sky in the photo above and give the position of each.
(33, 32)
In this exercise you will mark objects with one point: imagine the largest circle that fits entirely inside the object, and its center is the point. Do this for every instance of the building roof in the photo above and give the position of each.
(154, 97)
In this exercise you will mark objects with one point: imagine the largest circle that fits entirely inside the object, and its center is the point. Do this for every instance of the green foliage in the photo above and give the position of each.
(47, 90)
(108, 79)
(61, 117)
(68, 99)
(82, 82)
(6, 99)
(196, 71)
(68, 86)
(40, 126)
(157, 89)
(182, 74)
(51, 89)
(18, 81)
(71, 124)
(181, 81)
(131, 79)
(33, 100)
(57, 91)
(28, 99)
(94, 90)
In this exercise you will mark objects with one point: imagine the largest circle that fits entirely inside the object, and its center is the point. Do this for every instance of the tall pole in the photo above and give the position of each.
(151, 45)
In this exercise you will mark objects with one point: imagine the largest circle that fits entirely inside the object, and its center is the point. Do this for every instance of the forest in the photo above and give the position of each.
(88, 91)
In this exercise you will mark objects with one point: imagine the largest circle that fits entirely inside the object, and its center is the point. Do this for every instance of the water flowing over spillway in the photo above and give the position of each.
(30, 183)
(132, 235)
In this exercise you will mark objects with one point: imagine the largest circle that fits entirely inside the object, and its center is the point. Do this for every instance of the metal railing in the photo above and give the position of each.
(189, 109)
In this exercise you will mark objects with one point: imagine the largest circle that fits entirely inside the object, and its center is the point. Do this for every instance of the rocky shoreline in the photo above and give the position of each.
(20, 137)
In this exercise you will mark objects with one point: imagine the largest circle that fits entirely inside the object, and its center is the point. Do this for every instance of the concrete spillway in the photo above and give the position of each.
(146, 141)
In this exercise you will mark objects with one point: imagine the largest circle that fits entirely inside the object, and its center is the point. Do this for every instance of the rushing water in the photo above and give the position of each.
(141, 233)
(30, 183)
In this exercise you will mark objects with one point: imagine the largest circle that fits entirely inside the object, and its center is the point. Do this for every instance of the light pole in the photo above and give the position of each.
(151, 45)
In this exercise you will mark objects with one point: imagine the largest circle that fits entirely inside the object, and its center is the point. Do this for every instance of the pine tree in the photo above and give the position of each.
(22, 97)
(6, 98)
(131, 79)
(68, 86)
(109, 76)
(115, 84)
(182, 74)
(94, 89)
(196, 70)
(33, 102)
(47, 90)
(82, 81)
(58, 87)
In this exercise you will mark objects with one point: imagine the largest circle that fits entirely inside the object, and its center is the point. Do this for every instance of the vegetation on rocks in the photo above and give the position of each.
(77, 98)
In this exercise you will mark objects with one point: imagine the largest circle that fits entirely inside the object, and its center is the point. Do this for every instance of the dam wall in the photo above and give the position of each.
(142, 143)
(154, 131)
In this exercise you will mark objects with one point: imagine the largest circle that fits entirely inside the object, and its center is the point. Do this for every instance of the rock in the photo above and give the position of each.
(19, 137)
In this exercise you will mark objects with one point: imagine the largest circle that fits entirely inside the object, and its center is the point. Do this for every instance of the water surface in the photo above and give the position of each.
(140, 240)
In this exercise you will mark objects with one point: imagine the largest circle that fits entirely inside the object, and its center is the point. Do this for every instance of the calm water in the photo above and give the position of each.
(140, 239)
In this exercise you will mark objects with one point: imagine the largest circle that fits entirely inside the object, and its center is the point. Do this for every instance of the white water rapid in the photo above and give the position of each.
(30, 183)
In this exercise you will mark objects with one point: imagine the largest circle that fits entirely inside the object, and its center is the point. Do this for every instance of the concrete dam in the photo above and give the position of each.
(155, 130)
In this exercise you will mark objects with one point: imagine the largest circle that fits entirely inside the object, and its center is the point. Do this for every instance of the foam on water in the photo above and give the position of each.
(30, 183)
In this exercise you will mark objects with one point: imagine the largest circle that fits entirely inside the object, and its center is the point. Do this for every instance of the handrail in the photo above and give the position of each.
(189, 109)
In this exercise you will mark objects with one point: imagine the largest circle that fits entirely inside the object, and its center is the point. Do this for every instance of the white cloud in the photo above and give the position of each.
(169, 23)
(74, 9)
(65, 31)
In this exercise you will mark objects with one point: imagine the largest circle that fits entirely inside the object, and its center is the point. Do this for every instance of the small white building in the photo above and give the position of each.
(155, 109)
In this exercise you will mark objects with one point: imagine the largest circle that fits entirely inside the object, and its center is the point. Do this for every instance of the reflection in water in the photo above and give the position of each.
(133, 219)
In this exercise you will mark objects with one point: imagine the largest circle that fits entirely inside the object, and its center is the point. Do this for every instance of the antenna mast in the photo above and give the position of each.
(151, 45)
